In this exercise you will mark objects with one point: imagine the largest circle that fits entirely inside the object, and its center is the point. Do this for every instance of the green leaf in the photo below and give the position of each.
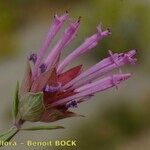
(31, 106)
(43, 128)
(26, 83)
(7, 136)
(16, 101)
(3, 134)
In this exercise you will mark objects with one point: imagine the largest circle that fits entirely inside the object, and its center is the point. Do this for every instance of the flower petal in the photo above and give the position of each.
(55, 27)
(101, 68)
(87, 45)
(93, 88)
(63, 42)
(67, 76)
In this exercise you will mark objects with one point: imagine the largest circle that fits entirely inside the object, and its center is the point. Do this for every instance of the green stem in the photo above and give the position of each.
(19, 124)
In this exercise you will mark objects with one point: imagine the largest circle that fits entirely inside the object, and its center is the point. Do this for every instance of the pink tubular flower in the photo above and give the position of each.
(64, 41)
(64, 89)
(57, 24)
(89, 43)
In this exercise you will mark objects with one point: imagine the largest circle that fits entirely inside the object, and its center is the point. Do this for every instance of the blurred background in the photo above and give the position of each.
(114, 120)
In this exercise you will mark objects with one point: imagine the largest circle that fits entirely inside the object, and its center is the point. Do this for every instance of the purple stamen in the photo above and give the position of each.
(53, 89)
(72, 104)
(33, 57)
(43, 68)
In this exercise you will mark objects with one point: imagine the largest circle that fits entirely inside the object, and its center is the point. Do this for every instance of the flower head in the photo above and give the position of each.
(63, 89)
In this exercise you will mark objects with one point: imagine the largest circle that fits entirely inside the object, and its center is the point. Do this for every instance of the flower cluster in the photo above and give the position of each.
(63, 89)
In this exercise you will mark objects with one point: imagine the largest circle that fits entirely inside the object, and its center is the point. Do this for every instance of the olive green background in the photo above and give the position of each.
(114, 120)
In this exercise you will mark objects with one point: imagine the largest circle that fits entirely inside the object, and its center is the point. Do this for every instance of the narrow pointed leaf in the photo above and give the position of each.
(26, 83)
(3, 134)
(7, 136)
(16, 101)
(43, 128)
(51, 115)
